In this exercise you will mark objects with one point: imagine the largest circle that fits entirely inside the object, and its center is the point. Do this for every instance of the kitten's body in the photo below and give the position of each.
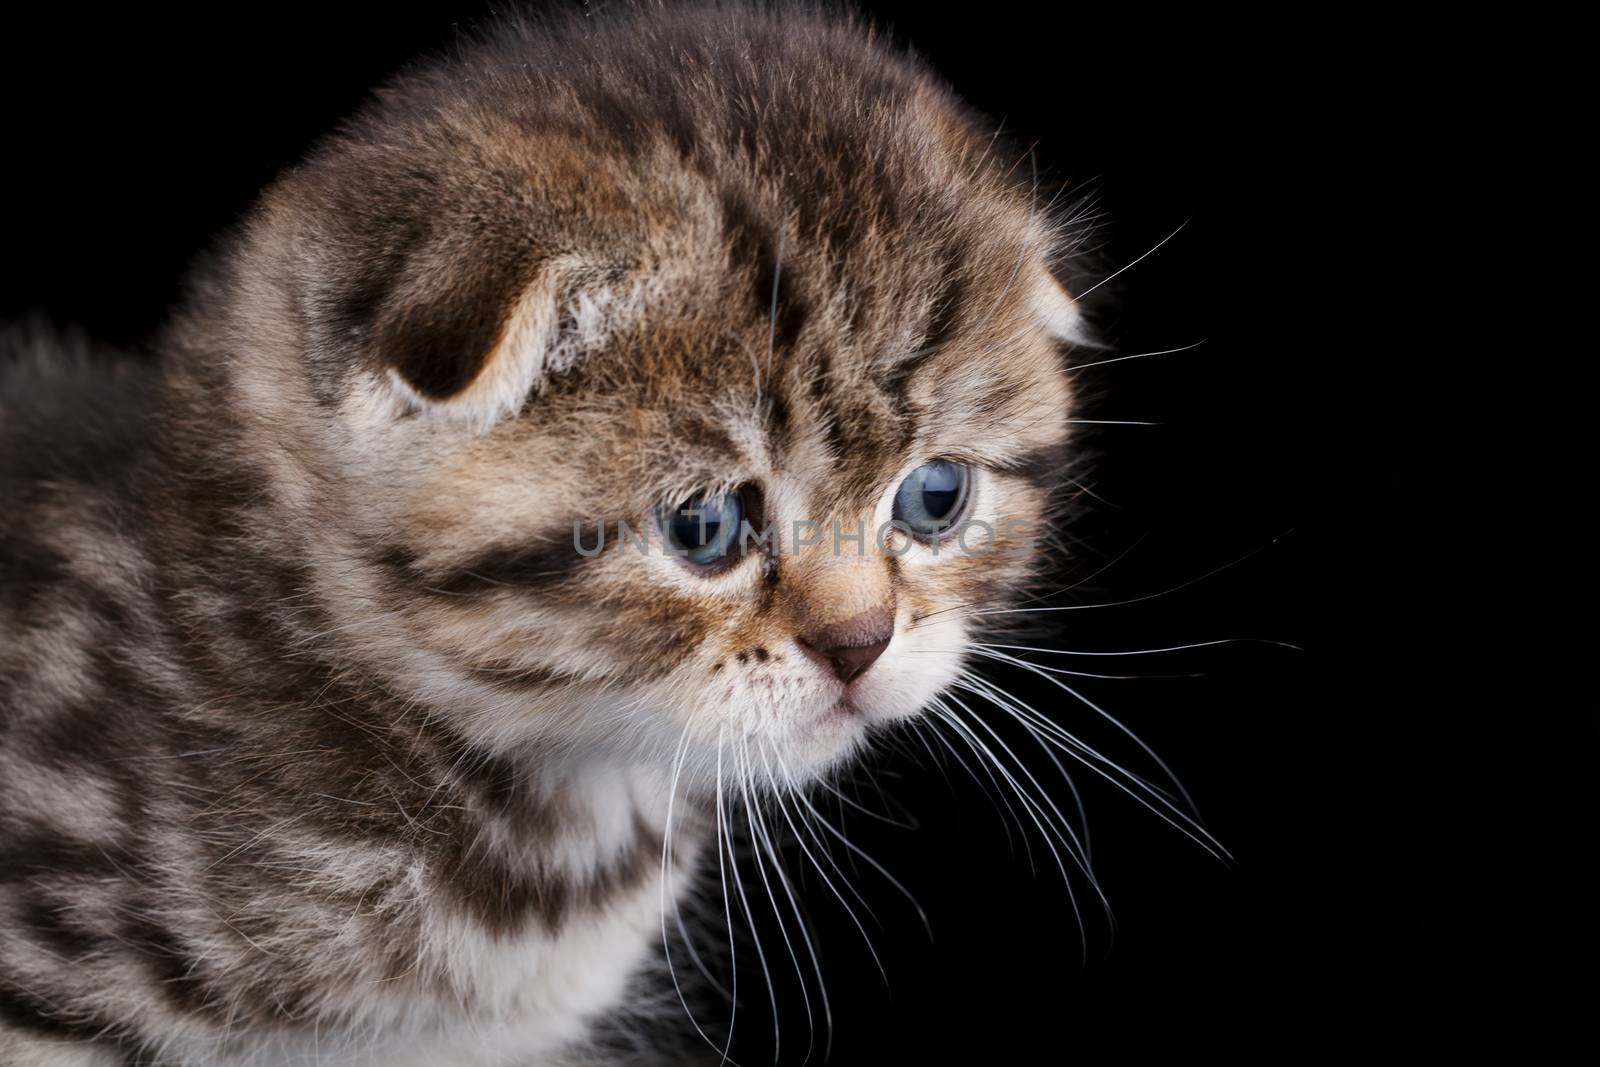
(170, 875)
(317, 742)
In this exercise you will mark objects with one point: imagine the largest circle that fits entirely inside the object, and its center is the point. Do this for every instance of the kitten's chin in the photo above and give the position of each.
(839, 730)
(830, 735)
(809, 743)
(835, 728)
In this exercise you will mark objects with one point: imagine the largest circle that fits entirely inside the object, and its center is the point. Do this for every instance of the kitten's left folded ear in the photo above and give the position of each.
(1060, 313)
(451, 302)
(473, 350)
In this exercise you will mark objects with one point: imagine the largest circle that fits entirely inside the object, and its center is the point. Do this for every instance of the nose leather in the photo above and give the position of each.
(849, 647)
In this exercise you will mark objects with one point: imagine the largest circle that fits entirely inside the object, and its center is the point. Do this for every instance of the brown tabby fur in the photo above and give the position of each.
(317, 734)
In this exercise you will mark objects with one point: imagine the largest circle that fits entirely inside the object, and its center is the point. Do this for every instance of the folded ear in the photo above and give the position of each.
(1059, 312)
(469, 339)
(472, 349)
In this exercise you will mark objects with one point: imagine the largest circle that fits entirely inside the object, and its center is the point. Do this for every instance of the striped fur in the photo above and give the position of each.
(318, 735)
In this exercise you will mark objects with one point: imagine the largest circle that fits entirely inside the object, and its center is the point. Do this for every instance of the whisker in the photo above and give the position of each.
(1136, 355)
(1146, 651)
(997, 799)
(744, 901)
(1139, 599)
(1045, 832)
(987, 653)
(1172, 777)
(1074, 848)
(863, 809)
(1092, 760)
(970, 679)
(825, 850)
(794, 902)
(666, 853)
(800, 838)
(921, 914)
(727, 910)
(1097, 572)
(758, 831)
(1135, 263)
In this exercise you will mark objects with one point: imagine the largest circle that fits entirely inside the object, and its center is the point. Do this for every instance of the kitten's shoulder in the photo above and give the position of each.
(75, 429)
(70, 408)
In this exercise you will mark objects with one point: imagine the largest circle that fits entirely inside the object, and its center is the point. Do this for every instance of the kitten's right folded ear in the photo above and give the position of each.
(1059, 311)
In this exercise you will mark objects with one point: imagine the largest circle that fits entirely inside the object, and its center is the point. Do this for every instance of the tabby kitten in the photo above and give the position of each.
(617, 412)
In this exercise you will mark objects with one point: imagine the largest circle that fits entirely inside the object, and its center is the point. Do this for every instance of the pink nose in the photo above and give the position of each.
(848, 648)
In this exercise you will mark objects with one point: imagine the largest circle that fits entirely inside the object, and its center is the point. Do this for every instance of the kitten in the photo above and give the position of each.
(620, 412)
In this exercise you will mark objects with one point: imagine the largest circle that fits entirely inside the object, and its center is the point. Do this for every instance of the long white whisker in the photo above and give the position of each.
(862, 808)
(666, 867)
(800, 838)
(1091, 576)
(1138, 599)
(1075, 848)
(1128, 266)
(1136, 355)
(799, 917)
(744, 902)
(971, 680)
(987, 652)
(998, 799)
(758, 832)
(727, 910)
(1044, 831)
(1093, 760)
(1171, 776)
(1143, 651)
(1015, 706)
(874, 863)
(822, 846)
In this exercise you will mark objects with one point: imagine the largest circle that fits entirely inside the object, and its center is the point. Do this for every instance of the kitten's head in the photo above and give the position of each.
(756, 289)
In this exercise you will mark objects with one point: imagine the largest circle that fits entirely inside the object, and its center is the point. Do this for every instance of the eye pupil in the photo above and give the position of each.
(691, 530)
(932, 497)
(703, 528)
(941, 489)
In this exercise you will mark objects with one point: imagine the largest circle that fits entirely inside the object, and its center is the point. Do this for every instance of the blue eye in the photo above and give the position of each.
(932, 498)
(704, 529)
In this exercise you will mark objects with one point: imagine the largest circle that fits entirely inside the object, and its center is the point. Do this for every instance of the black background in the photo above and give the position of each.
(136, 139)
